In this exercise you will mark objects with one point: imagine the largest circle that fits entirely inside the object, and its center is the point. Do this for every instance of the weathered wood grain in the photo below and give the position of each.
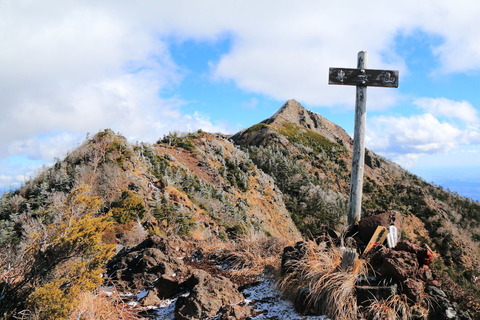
(358, 158)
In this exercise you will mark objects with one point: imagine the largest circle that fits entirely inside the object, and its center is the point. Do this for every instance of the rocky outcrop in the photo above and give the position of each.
(399, 265)
(206, 295)
(153, 263)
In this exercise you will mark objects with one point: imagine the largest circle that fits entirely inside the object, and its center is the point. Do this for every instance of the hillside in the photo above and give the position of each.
(310, 160)
(193, 202)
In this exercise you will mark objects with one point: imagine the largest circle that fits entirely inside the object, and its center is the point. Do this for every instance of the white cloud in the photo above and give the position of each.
(405, 139)
(45, 148)
(415, 134)
(287, 53)
(71, 68)
(74, 67)
(443, 107)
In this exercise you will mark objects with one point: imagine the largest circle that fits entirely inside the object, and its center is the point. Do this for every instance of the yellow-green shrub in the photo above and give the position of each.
(128, 207)
(69, 256)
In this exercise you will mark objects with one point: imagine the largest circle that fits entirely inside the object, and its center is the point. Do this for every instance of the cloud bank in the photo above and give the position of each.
(405, 139)
(71, 67)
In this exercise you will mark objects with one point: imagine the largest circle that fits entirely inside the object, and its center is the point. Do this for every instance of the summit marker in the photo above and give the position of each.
(361, 78)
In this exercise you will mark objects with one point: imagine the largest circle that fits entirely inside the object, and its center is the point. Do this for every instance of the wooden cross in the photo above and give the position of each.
(362, 78)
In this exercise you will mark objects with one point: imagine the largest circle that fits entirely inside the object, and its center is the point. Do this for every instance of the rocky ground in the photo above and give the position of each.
(262, 298)
(171, 279)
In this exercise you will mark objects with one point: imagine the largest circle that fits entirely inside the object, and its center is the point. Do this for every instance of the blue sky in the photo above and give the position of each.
(143, 69)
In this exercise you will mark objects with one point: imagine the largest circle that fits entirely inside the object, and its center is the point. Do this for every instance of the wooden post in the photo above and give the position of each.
(361, 78)
(358, 159)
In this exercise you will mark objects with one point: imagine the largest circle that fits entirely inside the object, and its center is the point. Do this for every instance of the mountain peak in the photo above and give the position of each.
(292, 112)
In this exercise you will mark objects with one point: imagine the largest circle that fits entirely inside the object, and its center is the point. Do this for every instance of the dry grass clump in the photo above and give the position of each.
(395, 307)
(100, 306)
(259, 252)
(249, 255)
(322, 284)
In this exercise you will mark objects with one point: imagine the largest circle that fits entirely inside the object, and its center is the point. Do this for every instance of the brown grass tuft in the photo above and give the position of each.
(396, 307)
(100, 306)
(249, 255)
(319, 279)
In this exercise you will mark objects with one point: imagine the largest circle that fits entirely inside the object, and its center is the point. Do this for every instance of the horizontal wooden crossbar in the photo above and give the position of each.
(363, 77)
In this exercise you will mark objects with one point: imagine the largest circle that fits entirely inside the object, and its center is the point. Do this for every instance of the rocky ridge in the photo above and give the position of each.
(199, 212)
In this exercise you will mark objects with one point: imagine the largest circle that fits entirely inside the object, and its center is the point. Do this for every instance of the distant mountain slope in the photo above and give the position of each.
(310, 159)
(199, 183)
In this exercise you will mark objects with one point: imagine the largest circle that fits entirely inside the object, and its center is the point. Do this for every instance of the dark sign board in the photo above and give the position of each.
(363, 77)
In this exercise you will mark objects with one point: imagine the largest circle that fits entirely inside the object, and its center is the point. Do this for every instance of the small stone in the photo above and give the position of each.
(151, 299)
(435, 291)
(414, 289)
(425, 274)
(450, 313)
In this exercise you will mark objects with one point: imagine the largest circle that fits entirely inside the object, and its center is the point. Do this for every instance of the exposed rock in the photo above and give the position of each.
(377, 255)
(414, 289)
(167, 286)
(424, 253)
(290, 255)
(151, 299)
(399, 265)
(207, 295)
(149, 262)
(368, 225)
(425, 274)
(408, 246)
(235, 312)
(372, 160)
(443, 309)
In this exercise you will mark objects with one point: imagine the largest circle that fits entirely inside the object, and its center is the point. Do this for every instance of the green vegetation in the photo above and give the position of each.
(61, 260)
(175, 220)
(184, 141)
(237, 174)
(308, 138)
(309, 199)
(156, 163)
(128, 207)
(256, 128)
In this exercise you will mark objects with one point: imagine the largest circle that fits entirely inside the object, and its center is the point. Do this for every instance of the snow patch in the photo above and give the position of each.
(266, 299)
(142, 294)
(166, 310)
